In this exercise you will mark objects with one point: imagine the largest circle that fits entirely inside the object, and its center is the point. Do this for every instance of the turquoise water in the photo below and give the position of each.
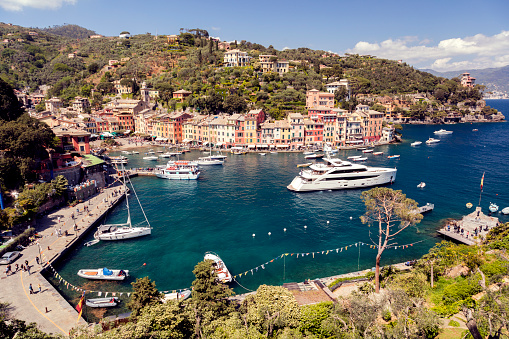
(220, 212)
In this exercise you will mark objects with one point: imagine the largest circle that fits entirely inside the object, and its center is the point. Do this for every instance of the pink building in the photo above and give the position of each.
(319, 100)
(467, 80)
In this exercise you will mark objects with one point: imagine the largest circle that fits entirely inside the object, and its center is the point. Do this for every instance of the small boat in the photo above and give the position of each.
(151, 158)
(378, 153)
(174, 154)
(91, 242)
(180, 295)
(102, 302)
(354, 156)
(126, 152)
(416, 143)
(263, 153)
(367, 151)
(475, 130)
(273, 152)
(207, 161)
(103, 274)
(469, 205)
(159, 151)
(422, 185)
(505, 210)
(396, 156)
(223, 275)
(361, 148)
(493, 207)
(304, 165)
(219, 157)
(136, 152)
(151, 152)
(432, 141)
(360, 159)
(165, 155)
(442, 132)
(314, 156)
(308, 152)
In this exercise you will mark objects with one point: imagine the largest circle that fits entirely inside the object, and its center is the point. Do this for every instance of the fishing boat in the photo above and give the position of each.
(180, 295)
(416, 143)
(493, 207)
(432, 141)
(103, 274)
(422, 185)
(223, 275)
(396, 156)
(367, 151)
(126, 230)
(314, 156)
(150, 158)
(354, 157)
(360, 159)
(442, 132)
(102, 302)
(378, 153)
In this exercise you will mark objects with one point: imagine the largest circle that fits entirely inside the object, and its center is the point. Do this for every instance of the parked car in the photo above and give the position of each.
(9, 257)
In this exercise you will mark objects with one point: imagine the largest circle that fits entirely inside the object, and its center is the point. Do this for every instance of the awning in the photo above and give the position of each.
(261, 146)
(354, 141)
(272, 146)
(220, 144)
(236, 147)
(251, 146)
(161, 139)
(282, 145)
(187, 140)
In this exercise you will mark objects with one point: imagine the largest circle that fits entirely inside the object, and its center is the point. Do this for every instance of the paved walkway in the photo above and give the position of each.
(48, 308)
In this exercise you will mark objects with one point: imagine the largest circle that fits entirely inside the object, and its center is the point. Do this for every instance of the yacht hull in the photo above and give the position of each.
(123, 233)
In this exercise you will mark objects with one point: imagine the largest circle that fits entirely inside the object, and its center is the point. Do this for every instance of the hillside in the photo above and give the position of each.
(69, 31)
(32, 57)
(495, 79)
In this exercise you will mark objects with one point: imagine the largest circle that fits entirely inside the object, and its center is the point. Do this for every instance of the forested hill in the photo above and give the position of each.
(69, 31)
(495, 79)
(74, 67)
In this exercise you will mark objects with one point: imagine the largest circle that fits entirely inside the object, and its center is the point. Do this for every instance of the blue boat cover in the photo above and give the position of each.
(107, 271)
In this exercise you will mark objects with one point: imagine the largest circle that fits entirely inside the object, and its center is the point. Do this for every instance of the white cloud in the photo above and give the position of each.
(19, 5)
(478, 51)
(215, 28)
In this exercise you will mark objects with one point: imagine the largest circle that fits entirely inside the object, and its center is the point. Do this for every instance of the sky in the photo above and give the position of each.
(443, 35)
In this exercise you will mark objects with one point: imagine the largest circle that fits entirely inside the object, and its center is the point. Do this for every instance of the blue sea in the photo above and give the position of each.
(231, 209)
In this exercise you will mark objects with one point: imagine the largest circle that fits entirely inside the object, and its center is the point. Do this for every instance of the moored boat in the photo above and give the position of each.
(493, 207)
(396, 156)
(505, 210)
(354, 156)
(416, 143)
(360, 159)
(102, 302)
(378, 153)
(368, 151)
(223, 275)
(103, 274)
(179, 171)
(314, 156)
(151, 158)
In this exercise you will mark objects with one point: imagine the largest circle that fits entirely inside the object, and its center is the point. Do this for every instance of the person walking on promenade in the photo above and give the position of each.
(39, 285)
(26, 262)
(28, 269)
(31, 289)
(17, 267)
(37, 260)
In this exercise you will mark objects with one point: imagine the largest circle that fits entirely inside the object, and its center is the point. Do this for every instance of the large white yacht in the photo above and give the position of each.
(337, 174)
(180, 170)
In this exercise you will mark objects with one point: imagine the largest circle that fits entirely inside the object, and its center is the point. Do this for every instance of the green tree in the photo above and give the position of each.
(387, 207)
(10, 107)
(235, 104)
(60, 184)
(144, 293)
(209, 296)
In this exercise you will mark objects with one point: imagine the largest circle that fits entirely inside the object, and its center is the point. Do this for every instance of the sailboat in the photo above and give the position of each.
(206, 161)
(126, 230)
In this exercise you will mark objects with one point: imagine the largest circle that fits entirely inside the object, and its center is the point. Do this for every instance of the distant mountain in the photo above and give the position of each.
(495, 79)
(69, 31)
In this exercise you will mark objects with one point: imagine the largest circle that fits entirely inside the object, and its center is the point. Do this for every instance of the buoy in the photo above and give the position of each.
(351, 218)
(144, 264)
(284, 229)
(305, 227)
(253, 235)
(270, 233)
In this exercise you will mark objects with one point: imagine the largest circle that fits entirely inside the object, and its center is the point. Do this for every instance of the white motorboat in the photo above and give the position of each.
(475, 130)
(378, 153)
(179, 296)
(120, 160)
(150, 158)
(103, 274)
(336, 174)
(136, 152)
(159, 151)
(505, 210)
(165, 155)
(126, 152)
(151, 152)
(395, 156)
(308, 152)
(273, 152)
(314, 156)
(219, 156)
(442, 132)
(174, 154)
(432, 141)
(179, 171)
(263, 153)
(360, 159)
(422, 185)
(208, 161)
(361, 148)
(102, 302)
(354, 157)
(223, 275)
(126, 230)
(367, 151)
(493, 207)
(416, 143)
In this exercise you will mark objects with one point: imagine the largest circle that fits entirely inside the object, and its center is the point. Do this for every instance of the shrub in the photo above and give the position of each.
(497, 267)
(312, 318)
(386, 315)
(454, 323)
(461, 290)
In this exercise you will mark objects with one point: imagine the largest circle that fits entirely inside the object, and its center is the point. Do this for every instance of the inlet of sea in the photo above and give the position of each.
(231, 209)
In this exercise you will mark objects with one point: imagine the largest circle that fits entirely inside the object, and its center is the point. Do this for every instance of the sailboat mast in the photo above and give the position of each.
(126, 198)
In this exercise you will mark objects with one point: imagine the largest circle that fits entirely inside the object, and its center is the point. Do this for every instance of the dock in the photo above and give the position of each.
(471, 229)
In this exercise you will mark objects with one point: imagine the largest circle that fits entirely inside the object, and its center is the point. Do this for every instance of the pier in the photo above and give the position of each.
(470, 230)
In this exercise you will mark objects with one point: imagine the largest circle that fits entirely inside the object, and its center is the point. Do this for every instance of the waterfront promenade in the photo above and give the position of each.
(48, 308)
